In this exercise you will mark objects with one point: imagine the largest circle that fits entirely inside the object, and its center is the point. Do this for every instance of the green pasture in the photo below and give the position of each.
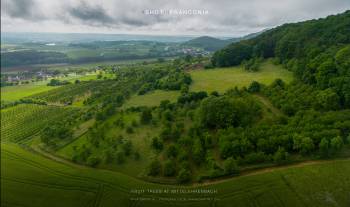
(221, 79)
(13, 93)
(152, 99)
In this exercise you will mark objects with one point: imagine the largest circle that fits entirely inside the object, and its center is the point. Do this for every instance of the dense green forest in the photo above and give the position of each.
(317, 51)
(28, 57)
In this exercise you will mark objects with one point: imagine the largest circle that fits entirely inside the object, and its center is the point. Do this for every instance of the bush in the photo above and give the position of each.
(252, 64)
(137, 155)
(127, 147)
(254, 87)
(231, 166)
(172, 151)
(255, 157)
(281, 156)
(304, 145)
(93, 161)
(146, 116)
(134, 123)
(324, 147)
(129, 130)
(169, 168)
(120, 156)
(157, 144)
(184, 176)
(336, 144)
(154, 168)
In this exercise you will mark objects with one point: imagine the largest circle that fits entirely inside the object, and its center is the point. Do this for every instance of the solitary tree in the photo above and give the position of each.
(146, 116)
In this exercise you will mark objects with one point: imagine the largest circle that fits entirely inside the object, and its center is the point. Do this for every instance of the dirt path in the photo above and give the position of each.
(267, 170)
(55, 158)
(207, 182)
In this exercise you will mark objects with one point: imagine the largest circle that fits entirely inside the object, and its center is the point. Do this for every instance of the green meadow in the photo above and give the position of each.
(152, 98)
(221, 79)
(13, 93)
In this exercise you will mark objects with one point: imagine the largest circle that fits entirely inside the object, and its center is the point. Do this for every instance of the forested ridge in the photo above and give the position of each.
(317, 51)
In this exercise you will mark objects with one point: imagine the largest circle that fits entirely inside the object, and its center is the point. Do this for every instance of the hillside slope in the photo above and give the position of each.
(32, 180)
(317, 51)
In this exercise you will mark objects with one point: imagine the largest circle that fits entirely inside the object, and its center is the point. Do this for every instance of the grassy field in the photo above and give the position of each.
(13, 93)
(222, 79)
(152, 99)
(29, 180)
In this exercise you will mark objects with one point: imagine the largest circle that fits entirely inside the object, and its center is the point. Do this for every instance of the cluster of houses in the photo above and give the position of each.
(25, 77)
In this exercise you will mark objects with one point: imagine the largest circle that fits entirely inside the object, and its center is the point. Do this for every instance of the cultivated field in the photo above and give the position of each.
(22, 121)
(38, 181)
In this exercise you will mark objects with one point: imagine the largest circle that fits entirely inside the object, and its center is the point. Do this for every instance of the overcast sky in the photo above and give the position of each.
(219, 17)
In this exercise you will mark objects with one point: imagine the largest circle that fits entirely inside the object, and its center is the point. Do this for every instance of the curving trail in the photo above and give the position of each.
(30, 179)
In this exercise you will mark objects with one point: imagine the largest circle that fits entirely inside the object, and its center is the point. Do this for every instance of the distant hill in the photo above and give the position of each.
(207, 43)
(213, 44)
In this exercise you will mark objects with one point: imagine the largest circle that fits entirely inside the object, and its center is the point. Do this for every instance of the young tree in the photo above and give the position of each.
(231, 166)
(127, 147)
(129, 130)
(169, 168)
(157, 144)
(92, 161)
(184, 176)
(336, 144)
(198, 152)
(254, 87)
(172, 151)
(324, 147)
(120, 156)
(146, 116)
(154, 168)
(137, 155)
(303, 144)
(281, 156)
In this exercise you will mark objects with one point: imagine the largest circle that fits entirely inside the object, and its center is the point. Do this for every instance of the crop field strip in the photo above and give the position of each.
(25, 120)
(97, 190)
(252, 189)
(58, 173)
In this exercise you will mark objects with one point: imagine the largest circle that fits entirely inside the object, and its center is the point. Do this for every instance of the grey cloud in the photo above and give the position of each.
(92, 14)
(229, 17)
(97, 15)
(22, 9)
